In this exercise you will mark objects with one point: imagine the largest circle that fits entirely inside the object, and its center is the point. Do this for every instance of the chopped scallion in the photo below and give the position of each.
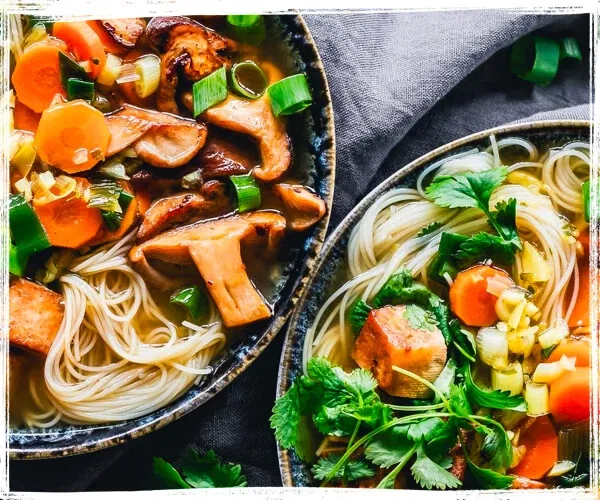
(17, 260)
(69, 69)
(148, 69)
(80, 89)
(248, 28)
(569, 49)
(104, 194)
(585, 191)
(113, 219)
(290, 95)
(27, 231)
(244, 21)
(247, 191)
(248, 79)
(211, 90)
(192, 300)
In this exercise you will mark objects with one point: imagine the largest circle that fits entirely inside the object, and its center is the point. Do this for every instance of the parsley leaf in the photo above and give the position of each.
(482, 246)
(419, 318)
(459, 402)
(429, 228)
(487, 478)
(500, 400)
(505, 219)
(429, 474)
(350, 471)
(286, 417)
(401, 288)
(497, 449)
(357, 314)
(389, 448)
(167, 474)
(425, 429)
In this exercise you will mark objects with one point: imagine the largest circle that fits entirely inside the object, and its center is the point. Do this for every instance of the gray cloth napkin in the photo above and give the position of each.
(402, 84)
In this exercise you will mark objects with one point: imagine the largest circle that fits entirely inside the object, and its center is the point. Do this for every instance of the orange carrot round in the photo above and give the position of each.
(469, 299)
(83, 43)
(69, 222)
(36, 77)
(72, 136)
(569, 400)
(578, 348)
(25, 118)
(541, 442)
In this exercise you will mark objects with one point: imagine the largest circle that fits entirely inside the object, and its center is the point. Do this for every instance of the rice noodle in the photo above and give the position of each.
(386, 240)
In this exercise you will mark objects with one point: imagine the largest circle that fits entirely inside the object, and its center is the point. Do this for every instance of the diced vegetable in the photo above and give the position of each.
(37, 77)
(55, 265)
(247, 192)
(541, 442)
(104, 194)
(570, 397)
(492, 347)
(536, 397)
(70, 69)
(123, 221)
(80, 89)
(23, 187)
(211, 90)
(521, 341)
(148, 69)
(22, 153)
(510, 379)
(546, 373)
(561, 468)
(247, 28)
(83, 43)
(72, 136)
(558, 331)
(569, 49)
(111, 70)
(25, 227)
(115, 218)
(248, 79)
(534, 265)
(192, 300)
(290, 95)
(37, 33)
(578, 348)
(17, 261)
(469, 298)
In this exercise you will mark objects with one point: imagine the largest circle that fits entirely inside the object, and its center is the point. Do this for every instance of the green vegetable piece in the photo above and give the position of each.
(501, 400)
(487, 478)
(429, 228)
(167, 475)
(429, 474)
(357, 314)
(17, 261)
(535, 59)
(419, 318)
(192, 300)
(80, 89)
(350, 471)
(113, 220)
(209, 471)
(569, 49)
(211, 90)
(104, 194)
(70, 69)
(247, 192)
(585, 193)
(290, 95)
(27, 231)
(249, 29)
(389, 448)
(248, 80)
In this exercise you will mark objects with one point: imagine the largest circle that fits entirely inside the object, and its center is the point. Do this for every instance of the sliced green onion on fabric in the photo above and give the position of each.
(290, 95)
(247, 28)
(569, 49)
(247, 191)
(535, 59)
(17, 261)
(69, 69)
(585, 192)
(248, 79)
(104, 194)
(192, 300)
(211, 90)
(27, 231)
(80, 89)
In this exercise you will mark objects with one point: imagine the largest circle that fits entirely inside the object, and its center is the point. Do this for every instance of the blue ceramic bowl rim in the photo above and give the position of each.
(182, 406)
(283, 380)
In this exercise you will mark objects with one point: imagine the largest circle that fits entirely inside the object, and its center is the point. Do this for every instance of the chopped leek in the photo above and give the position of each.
(55, 265)
(492, 346)
(569, 49)
(70, 69)
(248, 79)
(37, 33)
(104, 194)
(536, 397)
(148, 69)
(522, 341)
(114, 219)
(211, 90)
(553, 335)
(80, 89)
(247, 191)
(192, 300)
(585, 192)
(110, 70)
(248, 28)
(534, 264)
(546, 373)
(17, 261)
(28, 234)
(25, 155)
(510, 380)
(290, 95)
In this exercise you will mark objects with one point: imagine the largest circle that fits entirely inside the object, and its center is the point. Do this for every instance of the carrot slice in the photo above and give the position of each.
(83, 43)
(69, 222)
(110, 44)
(569, 400)
(578, 348)
(72, 136)
(541, 442)
(36, 77)
(469, 299)
(25, 118)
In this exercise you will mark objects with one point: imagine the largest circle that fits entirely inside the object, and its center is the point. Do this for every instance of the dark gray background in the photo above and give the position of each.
(402, 84)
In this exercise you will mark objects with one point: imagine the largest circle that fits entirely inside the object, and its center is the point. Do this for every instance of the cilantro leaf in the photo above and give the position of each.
(505, 219)
(401, 288)
(487, 478)
(470, 189)
(459, 402)
(419, 318)
(286, 417)
(389, 448)
(497, 448)
(429, 228)
(483, 246)
(167, 474)
(429, 474)
(500, 400)
(425, 429)
(357, 314)
(350, 471)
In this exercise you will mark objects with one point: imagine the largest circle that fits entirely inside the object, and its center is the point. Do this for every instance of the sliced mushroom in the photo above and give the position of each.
(160, 139)
(303, 207)
(222, 157)
(188, 48)
(185, 207)
(125, 32)
(256, 119)
(215, 248)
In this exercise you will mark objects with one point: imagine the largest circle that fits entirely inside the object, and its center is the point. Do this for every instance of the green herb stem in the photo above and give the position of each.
(396, 470)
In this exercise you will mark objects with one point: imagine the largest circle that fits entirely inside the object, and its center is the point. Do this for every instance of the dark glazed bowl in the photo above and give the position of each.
(313, 138)
(322, 278)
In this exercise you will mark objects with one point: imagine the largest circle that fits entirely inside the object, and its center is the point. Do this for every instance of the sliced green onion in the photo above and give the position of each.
(104, 194)
(110, 70)
(248, 29)
(245, 21)
(290, 95)
(535, 59)
(125, 200)
(70, 69)
(148, 68)
(80, 89)
(569, 49)
(211, 90)
(113, 219)
(114, 169)
(248, 79)
(17, 260)
(192, 180)
(585, 192)
(247, 191)
(192, 300)
(27, 231)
